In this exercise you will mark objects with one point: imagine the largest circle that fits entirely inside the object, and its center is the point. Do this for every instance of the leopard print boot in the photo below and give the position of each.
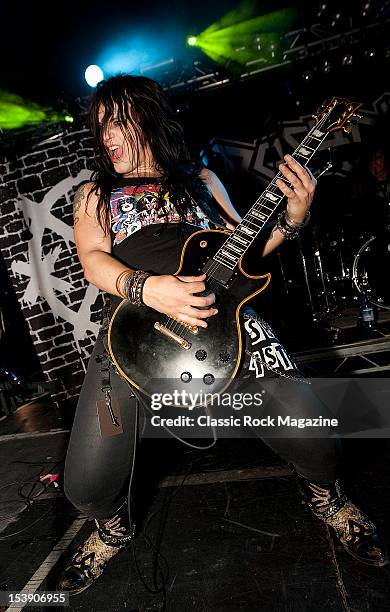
(88, 563)
(356, 532)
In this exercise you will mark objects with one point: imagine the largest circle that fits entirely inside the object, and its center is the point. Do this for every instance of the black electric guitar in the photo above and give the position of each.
(158, 354)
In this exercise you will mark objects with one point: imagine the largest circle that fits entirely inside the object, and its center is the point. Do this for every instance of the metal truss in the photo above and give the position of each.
(295, 46)
(368, 357)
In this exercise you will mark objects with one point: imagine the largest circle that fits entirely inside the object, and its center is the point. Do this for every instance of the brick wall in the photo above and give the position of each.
(36, 241)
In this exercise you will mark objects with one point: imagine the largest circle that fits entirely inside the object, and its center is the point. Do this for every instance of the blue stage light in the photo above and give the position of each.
(93, 75)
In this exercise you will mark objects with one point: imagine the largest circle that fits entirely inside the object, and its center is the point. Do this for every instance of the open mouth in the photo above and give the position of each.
(116, 153)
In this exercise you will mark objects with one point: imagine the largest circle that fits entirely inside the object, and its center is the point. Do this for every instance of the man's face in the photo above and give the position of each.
(123, 156)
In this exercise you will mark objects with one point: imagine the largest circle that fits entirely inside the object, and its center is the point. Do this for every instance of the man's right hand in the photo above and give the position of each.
(175, 297)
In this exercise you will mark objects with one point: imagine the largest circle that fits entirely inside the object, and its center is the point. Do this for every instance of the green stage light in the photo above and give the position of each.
(235, 37)
(192, 40)
(16, 112)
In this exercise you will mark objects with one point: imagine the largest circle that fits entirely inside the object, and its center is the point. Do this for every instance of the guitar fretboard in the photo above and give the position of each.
(247, 231)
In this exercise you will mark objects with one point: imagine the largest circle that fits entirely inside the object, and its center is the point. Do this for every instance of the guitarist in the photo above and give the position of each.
(147, 196)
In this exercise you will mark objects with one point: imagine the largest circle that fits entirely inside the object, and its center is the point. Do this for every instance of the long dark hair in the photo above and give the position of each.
(141, 104)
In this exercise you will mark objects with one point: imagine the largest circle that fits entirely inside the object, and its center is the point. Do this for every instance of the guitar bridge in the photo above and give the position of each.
(194, 329)
(182, 342)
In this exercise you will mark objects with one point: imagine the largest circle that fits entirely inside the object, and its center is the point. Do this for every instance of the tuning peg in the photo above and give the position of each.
(357, 116)
(347, 128)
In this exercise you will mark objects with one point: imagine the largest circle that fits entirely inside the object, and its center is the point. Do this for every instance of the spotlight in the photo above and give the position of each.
(366, 9)
(370, 53)
(326, 67)
(93, 75)
(322, 9)
(69, 118)
(335, 20)
(307, 75)
(347, 59)
(191, 41)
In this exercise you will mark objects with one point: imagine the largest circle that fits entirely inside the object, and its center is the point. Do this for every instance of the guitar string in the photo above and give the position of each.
(180, 328)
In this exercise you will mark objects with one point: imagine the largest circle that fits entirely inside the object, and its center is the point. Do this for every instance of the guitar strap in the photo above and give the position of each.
(105, 379)
(109, 409)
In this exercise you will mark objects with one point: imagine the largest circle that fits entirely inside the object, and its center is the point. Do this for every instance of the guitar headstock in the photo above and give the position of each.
(338, 114)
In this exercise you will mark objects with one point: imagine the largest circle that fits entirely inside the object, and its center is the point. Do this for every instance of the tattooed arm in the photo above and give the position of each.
(78, 198)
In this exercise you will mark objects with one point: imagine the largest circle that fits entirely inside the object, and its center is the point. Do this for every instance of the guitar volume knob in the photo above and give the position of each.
(208, 379)
(186, 377)
(201, 355)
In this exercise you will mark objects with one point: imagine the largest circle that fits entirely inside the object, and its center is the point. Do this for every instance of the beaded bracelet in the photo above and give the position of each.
(296, 225)
(289, 228)
(133, 286)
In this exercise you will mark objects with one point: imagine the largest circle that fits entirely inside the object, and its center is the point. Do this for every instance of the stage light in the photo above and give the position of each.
(307, 75)
(238, 36)
(191, 41)
(322, 9)
(326, 67)
(370, 53)
(347, 59)
(93, 75)
(17, 112)
(335, 20)
(366, 8)
(68, 118)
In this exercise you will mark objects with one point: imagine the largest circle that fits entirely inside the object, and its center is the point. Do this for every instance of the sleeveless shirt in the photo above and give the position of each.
(146, 231)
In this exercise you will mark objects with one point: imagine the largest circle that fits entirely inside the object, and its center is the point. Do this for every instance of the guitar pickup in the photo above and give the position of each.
(182, 342)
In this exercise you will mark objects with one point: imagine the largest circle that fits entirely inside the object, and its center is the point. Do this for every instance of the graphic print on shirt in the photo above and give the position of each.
(266, 349)
(136, 206)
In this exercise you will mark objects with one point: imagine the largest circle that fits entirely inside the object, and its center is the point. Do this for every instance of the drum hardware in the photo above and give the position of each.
(328, 165)
(370, 270)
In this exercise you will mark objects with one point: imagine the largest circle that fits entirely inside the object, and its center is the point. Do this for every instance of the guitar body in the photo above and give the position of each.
(154, 362)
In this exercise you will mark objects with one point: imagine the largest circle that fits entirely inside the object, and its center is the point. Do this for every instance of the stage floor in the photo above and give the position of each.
(225, 527)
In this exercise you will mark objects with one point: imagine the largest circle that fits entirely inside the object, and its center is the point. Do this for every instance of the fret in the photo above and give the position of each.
(305, 159)
(305, 152)
(270, 210)
(257, 214)
(257, 226)
(246, 229)
(244, 235)
(311, 142)
(234, 239)
(272, 196)
(228, 255)
(222, 262)
(240, 239)
(318, 135)
(232, 247)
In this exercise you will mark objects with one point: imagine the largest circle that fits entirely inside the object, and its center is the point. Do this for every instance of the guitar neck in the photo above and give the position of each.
(257, 216)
